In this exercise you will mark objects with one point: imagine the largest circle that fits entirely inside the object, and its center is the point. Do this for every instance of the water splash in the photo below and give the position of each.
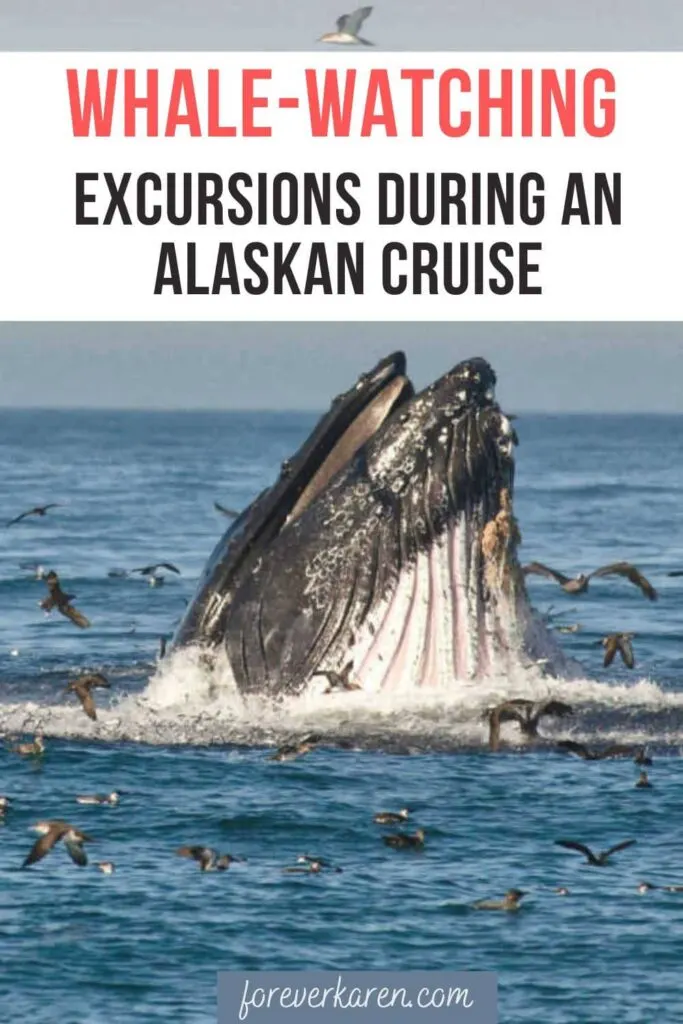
(190, 700)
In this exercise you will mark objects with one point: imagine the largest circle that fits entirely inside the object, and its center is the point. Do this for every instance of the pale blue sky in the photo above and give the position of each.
(617, 367)
(394, 24)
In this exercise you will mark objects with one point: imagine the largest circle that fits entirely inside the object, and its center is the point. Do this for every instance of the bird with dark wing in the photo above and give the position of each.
(579, 584)
(527, 713)
(614, 750)
(62, 602)
(630, 572)
(207, 858)
(348, 26)
(597, 860)
(51, 832)
(406, 841)
(339, 681)
(151, 570)
(83, 689)
(39, 510)
(618, 642)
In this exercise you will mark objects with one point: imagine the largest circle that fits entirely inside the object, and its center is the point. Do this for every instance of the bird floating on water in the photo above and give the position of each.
(291, 751)
(510, 901)
(36, 568)
(207, 858)
(99, 799)
(51, 832)
(527, 713)
(39, 510)
(306, 858)
(348, 26)
(597, 860)
(34, 748)
(106, 867)
(392, 817)
(620, 642)
(643, 781)
(62, 602)
(404, 840)
(644, 887)
(579, 584)
(83, 689)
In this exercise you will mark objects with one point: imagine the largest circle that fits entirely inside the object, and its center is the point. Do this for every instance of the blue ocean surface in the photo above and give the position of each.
(191, 760)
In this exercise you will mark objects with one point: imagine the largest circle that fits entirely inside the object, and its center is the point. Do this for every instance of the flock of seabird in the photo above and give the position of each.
(525, 713)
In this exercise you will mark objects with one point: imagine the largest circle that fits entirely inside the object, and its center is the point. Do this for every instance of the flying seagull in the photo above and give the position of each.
(39, 510)
(83, 689)
(579, 584)
(348, 26)
(620, 642)
(62, 602)
(527, 713)
(598, 860)
(51, 832)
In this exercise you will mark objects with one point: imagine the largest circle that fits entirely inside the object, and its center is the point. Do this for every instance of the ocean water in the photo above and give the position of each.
(145, 943)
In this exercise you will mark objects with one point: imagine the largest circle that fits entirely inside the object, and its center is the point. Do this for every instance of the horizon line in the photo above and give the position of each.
(284, 410)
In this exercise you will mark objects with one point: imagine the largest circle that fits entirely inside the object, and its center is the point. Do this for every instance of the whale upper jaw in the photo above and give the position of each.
(386, 550)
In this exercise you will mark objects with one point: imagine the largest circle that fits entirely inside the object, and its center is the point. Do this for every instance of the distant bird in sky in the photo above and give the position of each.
(62, 602)
(579, 584)
(83, 689)
(596, 860)
(348, 26)
(51, 832)
(620, 642)
(226, 511)
(39, 510)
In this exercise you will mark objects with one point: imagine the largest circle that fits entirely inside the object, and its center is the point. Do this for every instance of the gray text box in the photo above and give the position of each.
(357, 997)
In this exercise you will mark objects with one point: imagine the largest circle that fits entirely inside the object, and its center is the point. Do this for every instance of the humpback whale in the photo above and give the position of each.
(387, 544)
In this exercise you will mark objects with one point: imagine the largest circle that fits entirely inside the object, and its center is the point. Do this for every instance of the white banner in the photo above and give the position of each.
(351, 186)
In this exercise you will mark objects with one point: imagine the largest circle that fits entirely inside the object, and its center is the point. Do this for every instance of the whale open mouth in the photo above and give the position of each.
(386, 550)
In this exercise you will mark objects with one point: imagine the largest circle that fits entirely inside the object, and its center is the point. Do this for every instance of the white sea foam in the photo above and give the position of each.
(189, 701)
